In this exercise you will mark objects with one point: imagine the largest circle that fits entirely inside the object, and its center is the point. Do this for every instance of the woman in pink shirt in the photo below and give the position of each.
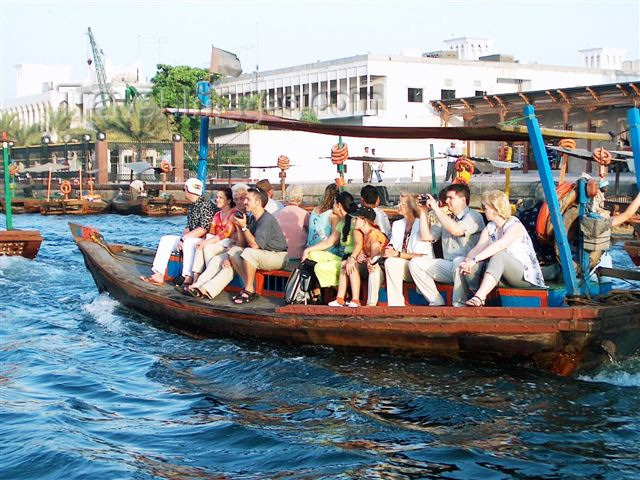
(294, 222)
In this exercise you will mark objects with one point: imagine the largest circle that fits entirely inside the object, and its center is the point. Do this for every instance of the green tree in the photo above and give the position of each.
(176, 87)
(139, 122)
(59, 123)
(309, 115)
(27, 135)
(8, 123)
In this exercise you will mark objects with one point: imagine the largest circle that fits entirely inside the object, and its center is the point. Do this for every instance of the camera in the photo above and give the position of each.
(423, 198)
(239, 214)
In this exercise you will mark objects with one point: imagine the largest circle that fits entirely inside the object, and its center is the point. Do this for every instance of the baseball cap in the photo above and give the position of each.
(194, 186)
(364, 212)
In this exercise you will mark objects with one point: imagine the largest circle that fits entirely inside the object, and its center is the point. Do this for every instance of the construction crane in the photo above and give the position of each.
(106, 96)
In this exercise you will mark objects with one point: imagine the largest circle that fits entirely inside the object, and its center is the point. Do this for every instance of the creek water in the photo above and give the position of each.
(91, 389)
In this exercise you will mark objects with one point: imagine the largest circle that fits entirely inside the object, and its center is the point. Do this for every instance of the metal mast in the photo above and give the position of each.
(106, 97)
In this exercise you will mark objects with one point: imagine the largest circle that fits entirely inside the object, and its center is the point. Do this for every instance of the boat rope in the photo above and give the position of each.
(513, 121)
(615, 297)
(97, 238)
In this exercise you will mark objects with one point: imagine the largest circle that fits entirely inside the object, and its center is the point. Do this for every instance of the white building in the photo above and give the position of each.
(387, 90)
(604, 58)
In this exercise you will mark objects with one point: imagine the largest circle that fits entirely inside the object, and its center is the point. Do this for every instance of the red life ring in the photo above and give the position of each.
(568, 143)
(165, 167)
(339, 154)
(602, 156)
(464, 164)
(283, 162)
(65, 187)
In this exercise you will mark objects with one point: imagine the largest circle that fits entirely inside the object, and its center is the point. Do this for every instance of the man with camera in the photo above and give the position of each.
(261, 244)
(459, 233)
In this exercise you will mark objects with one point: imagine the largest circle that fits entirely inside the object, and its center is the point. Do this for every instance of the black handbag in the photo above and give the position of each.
(300, 284)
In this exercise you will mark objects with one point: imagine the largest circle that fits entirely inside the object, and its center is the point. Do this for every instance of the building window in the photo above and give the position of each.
(480, 93)
(414, 95)
(447, 94)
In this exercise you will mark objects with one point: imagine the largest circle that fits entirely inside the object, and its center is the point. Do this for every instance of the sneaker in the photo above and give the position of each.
(335, 303)
(352, 304)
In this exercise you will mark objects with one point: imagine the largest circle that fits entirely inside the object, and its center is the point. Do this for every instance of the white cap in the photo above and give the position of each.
(194, 186)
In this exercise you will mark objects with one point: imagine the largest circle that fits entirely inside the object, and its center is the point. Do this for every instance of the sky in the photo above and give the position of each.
(275, 34)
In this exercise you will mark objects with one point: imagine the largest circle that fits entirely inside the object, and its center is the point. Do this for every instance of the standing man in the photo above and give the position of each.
(366, 168)
(452, 156)
(459, 235)
(378, 167)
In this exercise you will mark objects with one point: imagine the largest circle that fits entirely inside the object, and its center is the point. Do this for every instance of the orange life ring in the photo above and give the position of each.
(464, 164)
(339, 154)
(283, 162)
(602, 156)
(165, 167)
(568, 143)
(65, 187)
(567, 196)
(13, 169)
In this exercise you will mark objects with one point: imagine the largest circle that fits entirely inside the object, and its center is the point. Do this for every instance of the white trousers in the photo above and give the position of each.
(397, 272)
(168, 244)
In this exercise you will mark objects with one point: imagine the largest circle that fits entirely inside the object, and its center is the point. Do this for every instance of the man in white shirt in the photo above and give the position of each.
(452, 156)
(272, 205)
(377, 167)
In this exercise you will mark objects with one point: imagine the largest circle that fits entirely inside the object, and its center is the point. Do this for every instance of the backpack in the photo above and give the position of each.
(300, 284)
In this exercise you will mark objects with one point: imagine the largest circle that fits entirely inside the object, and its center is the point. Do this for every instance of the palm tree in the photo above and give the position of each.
(8, 123)
(59, 123)
(133, 123)
(27, 135)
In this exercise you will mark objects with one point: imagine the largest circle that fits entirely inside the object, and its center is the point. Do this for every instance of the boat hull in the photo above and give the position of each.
(21, 243)
(561, 340)
(632, 247)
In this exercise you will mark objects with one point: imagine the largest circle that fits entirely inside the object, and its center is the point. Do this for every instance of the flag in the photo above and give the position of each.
(225, 63)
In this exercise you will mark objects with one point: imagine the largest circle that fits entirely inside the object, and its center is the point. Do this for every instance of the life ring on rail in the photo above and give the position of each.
(65, 187)
(567, 196)
(602, 156)
(283, 162)
(165, 167)
(465, 165)
(567, 143)
(339, 154)
(13, 169)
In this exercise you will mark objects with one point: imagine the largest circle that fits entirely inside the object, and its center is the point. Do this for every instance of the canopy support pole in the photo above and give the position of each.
(540, 154)
(633, 124)
(7, 185)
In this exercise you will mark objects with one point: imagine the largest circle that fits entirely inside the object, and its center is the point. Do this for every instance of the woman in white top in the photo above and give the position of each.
(405, 244)
(508, 248)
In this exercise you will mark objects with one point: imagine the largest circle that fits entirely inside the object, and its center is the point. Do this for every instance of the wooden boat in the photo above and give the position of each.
(23, 243)
(123, 204)
(94, 204)
(22, 205)
(164, 206)
(62, 206)
(632, 247)
(564, 340)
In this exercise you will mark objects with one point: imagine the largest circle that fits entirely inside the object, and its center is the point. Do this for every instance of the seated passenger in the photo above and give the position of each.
(458, 235)
(198, 221)
(322, 220)
(368, 248)
(272, 205)
(261, 244)
(404, 245)
(294, 222)
(369, 197)
(222, 237)
(215, 278)
(506, 245)
(328, 264)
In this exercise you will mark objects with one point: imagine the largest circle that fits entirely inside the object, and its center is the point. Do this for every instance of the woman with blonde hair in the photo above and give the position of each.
(404, 245)
(506, 248)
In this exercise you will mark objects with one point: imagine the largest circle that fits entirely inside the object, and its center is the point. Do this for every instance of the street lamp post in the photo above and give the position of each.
(85, 142)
